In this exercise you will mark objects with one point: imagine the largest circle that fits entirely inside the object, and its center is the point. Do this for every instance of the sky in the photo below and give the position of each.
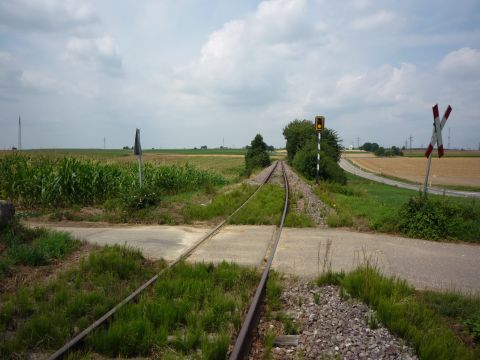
(196, 72)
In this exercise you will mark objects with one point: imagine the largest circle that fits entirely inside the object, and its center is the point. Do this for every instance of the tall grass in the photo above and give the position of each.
(47, 181)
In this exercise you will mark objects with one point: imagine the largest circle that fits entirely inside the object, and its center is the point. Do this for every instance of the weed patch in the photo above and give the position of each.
(191, 309)
(44, 317)
(221, 206)
(32, 247)
(265, 208)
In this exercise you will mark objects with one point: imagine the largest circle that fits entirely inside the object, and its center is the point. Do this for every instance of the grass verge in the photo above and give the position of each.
(21, 245)
(41, 318)
(192, 311)
(429, 321)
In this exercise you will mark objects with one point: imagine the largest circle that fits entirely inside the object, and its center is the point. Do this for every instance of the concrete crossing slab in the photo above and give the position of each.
(244, 245)
(155, 242)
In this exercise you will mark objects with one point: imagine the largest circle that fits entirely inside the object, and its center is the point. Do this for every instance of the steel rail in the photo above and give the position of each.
(79, 337)
(244, 339)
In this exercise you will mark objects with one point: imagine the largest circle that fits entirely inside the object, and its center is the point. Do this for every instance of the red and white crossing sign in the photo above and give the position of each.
(437, 131)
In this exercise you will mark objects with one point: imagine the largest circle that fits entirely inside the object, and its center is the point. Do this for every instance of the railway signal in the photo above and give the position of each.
(319, 123)
(436, 139)
(137, 150)
(319, 127)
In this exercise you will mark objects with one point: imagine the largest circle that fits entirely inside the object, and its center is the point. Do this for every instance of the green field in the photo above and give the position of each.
(368, 205)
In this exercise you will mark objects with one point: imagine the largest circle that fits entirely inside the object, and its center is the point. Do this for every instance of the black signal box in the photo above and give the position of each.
(319, 123)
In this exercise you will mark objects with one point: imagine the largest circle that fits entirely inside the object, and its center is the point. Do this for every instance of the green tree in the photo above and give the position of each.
(302, 150)
(257, 155)
(298, 133)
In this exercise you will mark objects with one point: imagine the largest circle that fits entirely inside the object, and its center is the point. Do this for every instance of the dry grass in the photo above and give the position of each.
(445, 171)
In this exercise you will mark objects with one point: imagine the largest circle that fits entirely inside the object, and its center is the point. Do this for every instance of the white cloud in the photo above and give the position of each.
(46, 15)
(38, 81)
(462, 62)
(379, 19)
(99, 53)
(361, 4)
(248, 61)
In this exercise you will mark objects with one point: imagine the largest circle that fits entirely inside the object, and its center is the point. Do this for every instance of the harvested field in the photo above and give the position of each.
(445, 171)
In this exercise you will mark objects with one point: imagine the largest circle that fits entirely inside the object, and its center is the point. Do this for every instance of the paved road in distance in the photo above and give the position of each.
(347, 166)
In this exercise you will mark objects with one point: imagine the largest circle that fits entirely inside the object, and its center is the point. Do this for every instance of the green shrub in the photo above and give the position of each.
(305, 161)
(439, 219)
(257, 155)
(140, 199)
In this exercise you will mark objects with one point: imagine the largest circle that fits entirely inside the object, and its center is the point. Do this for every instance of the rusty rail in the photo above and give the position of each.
(244, 339)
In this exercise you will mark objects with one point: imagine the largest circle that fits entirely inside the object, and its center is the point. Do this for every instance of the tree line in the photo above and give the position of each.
(380, 150)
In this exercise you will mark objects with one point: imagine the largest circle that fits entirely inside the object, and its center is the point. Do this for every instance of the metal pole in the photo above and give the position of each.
(318, 157)
(425, 185)
(140, 170)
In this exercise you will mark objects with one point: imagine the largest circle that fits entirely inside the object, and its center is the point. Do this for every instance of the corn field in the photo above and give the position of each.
(44, 181)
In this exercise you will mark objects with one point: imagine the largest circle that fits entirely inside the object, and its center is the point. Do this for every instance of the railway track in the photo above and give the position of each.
(244, 338)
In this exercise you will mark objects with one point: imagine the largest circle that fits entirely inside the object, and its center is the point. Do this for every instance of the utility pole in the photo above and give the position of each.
(410, 138)
(19, 133)
(104, 141)
(449, 144)
(358, 142)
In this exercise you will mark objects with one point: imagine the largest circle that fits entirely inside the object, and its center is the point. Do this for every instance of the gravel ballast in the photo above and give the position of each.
(330, 328)
(306, 201)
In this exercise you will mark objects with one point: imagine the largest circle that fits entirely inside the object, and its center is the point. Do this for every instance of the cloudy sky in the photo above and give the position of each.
(195, 72)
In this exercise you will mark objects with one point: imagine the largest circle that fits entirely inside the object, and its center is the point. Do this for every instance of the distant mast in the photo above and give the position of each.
(19, 133)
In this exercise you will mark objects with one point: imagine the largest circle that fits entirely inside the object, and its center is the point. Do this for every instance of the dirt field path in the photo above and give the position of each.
(345, 165)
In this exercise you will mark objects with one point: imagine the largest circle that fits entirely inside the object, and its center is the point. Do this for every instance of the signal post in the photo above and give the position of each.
(319, 127)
